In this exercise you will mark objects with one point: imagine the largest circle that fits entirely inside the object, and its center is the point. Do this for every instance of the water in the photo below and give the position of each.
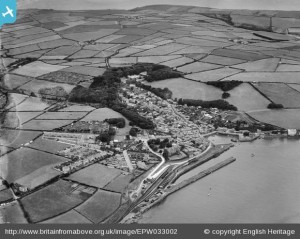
(259, 189)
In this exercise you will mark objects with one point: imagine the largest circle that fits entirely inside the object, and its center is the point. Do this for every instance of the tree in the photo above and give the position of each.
(133, 132)
(166, 154)
(225, 95)
(275, 106)
(104, 137)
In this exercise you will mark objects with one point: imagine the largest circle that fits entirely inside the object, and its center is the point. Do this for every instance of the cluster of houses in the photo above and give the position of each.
(80, 157)
(117, 161)
(71, 138)
(166, 118)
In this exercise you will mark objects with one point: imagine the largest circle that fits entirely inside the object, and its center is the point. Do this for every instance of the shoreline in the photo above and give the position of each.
(134, 217)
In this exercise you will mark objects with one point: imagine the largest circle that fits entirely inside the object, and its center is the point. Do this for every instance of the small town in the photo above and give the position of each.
(104, 114)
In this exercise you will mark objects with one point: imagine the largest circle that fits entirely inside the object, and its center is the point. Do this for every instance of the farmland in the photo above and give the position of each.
(25, 161)
(280, 94)
(49, 146)
(13, 214)
(105, 202)
(71, 217)
(186, 89)
(64, 74)
(283, 118)
(246, 98)
(52, 200)
(97, 175)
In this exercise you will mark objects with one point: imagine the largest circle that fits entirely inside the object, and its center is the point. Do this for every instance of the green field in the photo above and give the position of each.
(52, 201)
(188, 89)
(119, 184)
(100, 206)
(288, 119)
(17, 138)
(96, 175)
(45, 124)
(50, 146)
(280, 94)
(246, 98)
(25, 161)
(61, 115)
(12, 213)
(71, 217)
(5, 195)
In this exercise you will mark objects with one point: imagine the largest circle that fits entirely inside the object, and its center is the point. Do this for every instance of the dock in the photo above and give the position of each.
(201, 175)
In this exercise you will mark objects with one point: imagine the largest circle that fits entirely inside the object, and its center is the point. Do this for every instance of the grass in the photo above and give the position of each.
(288, 119)
(25, 161)
(51, 201)
(280, 94)
(71, 217)
(246, 98)
(105, 203)
(12, 213)
(50, 146)
(188, 89)
(45, 124)
(16, 138)
(96, 175)
(5, 195)
(119, 184)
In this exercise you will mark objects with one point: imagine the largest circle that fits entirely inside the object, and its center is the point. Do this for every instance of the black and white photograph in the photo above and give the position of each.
(150, 112)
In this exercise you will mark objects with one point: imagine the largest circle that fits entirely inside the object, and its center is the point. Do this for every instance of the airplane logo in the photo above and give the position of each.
(9, 11)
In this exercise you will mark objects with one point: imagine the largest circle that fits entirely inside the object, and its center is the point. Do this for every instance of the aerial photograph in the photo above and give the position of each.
(150, 111)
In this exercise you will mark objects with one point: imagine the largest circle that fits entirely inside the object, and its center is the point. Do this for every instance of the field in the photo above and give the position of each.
(246, 98)
(45, 124)
(71, 217)
(69, 49)
(77, 108)
(38, 177)
(48, 145)
(177, 62)
(188, 89)
(37, 68)
(213, 75)
(17, 138)
(280, 94)
(5, 195)
(96, 175)
(106, 113)
(157, 59)
(198, 67)
(260, 65)
(51, 201)
(15, 99)
(25, 161)
(13, 214)
(22, 117)
(35, 85)
(276, 77)
(85, 70)
(226, 61)
(119, 184)
(4, 150)
(105, 204)
(288, 119)
(12, 81)
(294, 86)
(31, 104)
(61, 115)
